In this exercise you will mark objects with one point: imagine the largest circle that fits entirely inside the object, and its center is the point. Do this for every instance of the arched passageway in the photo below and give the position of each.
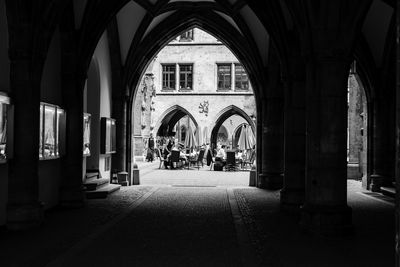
(223, 115)
(166, 125)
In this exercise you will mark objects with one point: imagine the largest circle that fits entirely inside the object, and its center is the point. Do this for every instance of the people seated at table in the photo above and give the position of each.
(221, 155)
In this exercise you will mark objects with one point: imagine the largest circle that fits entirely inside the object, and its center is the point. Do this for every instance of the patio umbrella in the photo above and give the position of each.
(244, 141)
(199, 136)
(190, 140)
(252, 138)
(205, 135)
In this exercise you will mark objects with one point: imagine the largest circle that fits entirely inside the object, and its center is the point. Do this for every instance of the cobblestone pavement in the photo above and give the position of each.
(173, 227)
(151, 175)
(192, 223)
(279, 241)
(64, 228)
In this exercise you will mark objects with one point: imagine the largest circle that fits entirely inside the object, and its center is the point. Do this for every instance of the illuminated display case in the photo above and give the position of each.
(108, 136)
(52, 127)
(4, 103)
(86, 134)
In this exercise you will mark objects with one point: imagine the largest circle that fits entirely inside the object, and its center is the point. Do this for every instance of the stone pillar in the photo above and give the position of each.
(120, 109)
(292, 194)
(271, 176)
(23, 207)
(382, 145)
(72, 195)
(325, 210)
(397, 168)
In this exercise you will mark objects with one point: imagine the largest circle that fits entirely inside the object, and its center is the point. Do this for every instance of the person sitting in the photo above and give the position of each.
(166, 153)
(221, 155)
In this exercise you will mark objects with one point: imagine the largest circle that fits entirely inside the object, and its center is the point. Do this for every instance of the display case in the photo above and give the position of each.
(108, 136)
(86, 134)
(4, 103)
(52, 126)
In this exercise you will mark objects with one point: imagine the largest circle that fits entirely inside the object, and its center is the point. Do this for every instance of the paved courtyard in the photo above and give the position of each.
(199, 218)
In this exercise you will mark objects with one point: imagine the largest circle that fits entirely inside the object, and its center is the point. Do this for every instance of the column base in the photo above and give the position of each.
(291, 200)
(327, 220)
(270, 181)
(72, 198)
(376, 182)
(24, 216)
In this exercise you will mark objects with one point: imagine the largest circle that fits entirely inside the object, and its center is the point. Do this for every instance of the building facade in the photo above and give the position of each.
(194, 80)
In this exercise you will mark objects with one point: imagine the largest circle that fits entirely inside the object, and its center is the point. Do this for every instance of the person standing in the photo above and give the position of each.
(150, 148)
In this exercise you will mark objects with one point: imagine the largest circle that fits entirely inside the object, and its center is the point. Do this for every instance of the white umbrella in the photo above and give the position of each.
(244, 142)
(190, 140)
(199, 136)
(205, 135)
(252, 138)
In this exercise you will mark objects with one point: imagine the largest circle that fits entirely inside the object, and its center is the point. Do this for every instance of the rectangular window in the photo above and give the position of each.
(224, 76)
(185, 76)
(241, 79)
(51, 117)
(168, 76)
(3, 127)
(86, 134)
(186, 36)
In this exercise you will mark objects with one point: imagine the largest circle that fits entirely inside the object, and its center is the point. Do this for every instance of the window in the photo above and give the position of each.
(224, 76)
(168, 76)
(86, 134)
(51, 119)
(108, 143)
(4, 101)
(185, 76)
(241, 79)
(186, 36)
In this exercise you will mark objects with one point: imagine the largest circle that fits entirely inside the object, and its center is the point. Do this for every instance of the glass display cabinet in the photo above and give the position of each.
(108, 136)
(86, 134)
(52, 118)
(4, 102)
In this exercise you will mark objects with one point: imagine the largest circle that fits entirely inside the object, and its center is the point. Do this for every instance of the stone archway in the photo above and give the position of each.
(171, 116)
(225, 114)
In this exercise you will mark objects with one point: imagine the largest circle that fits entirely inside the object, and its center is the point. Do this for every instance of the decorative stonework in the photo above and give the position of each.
(203, 108)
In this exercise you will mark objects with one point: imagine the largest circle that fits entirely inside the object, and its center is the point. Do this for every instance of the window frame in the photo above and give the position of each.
(230, 77)
(4, 106)
(169, 75)
(187, 36)
(241, 78)
(57, 131)
(186, 88)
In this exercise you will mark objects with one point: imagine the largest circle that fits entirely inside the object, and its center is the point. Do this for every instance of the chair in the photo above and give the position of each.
(198, 159)
(230, 161)
(175, 157)
(158, 154)
(250, 159)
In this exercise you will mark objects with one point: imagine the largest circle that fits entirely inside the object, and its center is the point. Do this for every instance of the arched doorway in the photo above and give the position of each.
(224, 115)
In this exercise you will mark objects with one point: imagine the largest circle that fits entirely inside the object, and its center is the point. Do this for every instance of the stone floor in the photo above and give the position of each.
(199, 218)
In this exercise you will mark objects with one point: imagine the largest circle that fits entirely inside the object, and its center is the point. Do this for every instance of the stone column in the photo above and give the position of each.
(397, 168)
(325, 210)
(292, 194)
(271, 176)
(382, 146)
(23, 207)
(71, 193)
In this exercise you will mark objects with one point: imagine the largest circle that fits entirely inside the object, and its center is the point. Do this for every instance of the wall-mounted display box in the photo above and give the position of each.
(108, 136)
(52, 131)
(4, 127)
(86, 134)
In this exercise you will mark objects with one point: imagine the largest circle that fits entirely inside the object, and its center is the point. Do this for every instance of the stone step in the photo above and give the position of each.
(103, 191)
(92, 175)
(388, 190)
(94, 183)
